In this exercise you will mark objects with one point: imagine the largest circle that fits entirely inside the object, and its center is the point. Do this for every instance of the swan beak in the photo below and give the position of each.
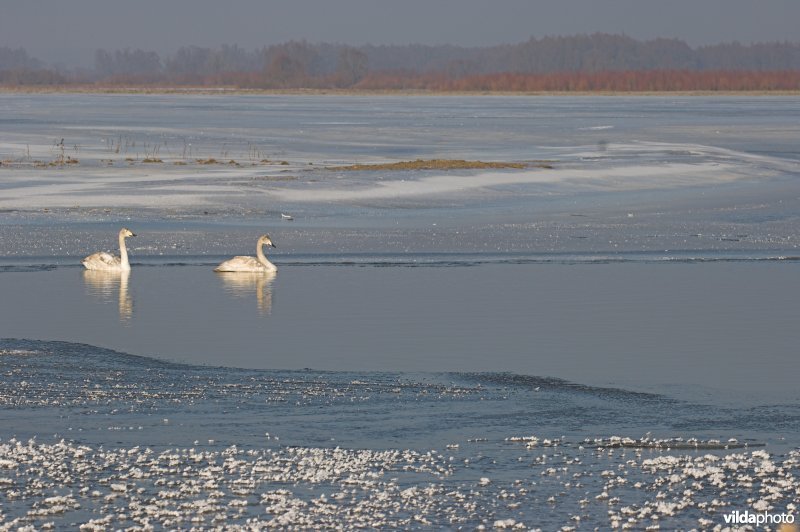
(133, 234)
(273, 245)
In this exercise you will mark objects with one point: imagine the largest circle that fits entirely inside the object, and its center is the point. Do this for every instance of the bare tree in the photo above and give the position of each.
(351, 67)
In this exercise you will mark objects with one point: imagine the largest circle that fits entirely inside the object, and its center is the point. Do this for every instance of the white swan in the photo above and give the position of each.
(108, 262)
(259, 263)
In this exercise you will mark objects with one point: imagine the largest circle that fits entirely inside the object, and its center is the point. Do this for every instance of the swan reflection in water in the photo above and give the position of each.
(243, 284)
(105, 284)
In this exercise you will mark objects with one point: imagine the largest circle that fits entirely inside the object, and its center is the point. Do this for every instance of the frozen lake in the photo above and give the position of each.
(604, 174)
(606, 334)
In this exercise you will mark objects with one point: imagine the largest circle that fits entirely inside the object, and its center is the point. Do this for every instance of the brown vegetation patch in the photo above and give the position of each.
(543, 163)
(152, 160)
(433, 164)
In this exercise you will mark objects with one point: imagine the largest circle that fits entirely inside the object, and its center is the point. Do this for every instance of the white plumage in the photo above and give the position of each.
(259, 263)
(108, 262)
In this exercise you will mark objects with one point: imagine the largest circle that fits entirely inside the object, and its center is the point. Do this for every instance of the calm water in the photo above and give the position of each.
(645, 326)
(577, 345)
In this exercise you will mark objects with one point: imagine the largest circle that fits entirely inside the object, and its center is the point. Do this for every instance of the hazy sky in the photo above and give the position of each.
(69, 31)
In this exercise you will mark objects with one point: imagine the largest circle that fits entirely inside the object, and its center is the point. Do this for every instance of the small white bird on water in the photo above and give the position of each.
(259, 263)
(108, 262)
(287, 217)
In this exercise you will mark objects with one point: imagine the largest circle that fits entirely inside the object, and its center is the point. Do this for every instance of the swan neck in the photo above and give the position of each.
(123, 254)
(263, 258)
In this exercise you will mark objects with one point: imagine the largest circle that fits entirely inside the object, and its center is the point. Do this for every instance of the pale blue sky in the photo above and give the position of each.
(69, 31)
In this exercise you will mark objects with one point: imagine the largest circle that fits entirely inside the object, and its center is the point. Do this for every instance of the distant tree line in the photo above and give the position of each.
(607, 81)
(580, 62)
(18, 68)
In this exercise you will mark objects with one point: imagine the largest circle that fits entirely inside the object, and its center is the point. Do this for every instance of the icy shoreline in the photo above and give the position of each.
(55, 484)
(97, 439)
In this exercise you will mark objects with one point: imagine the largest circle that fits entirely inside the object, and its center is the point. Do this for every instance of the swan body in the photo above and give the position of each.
(108, 262)
(259, 263)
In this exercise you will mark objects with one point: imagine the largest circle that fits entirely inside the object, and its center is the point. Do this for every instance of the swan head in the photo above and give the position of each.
(264, 240)
(124, 232)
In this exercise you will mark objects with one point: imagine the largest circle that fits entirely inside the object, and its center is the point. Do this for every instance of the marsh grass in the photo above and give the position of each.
(212, 160)
(49, 164)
